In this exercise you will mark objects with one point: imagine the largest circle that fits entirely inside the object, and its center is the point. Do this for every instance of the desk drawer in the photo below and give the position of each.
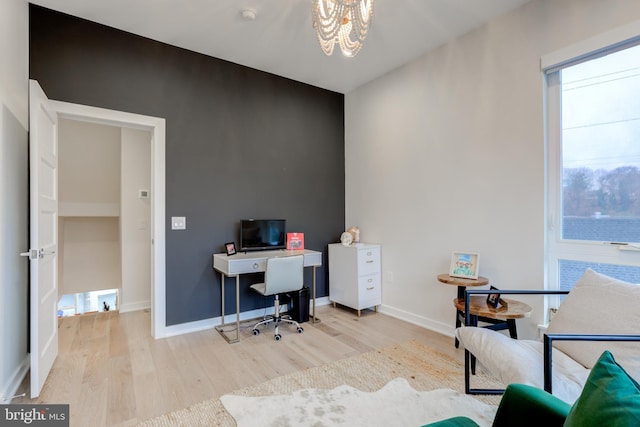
(369, 291)
(368, 260)
(243, 266)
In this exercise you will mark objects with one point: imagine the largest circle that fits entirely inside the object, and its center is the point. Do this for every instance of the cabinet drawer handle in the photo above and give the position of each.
(368, 253)
(255, 265)
(370, 289)
(370, 280)
(369, 261)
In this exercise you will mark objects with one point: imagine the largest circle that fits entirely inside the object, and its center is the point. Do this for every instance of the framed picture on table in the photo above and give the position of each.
(493, 300)
(465, 265)
(231, 248)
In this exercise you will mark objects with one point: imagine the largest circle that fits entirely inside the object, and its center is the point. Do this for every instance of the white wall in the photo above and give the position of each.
(89, 197)
(89, 168)
(135, 220)
(447, 153)
(13, 193)
(91, 257)
(14, 58)
(13, 240)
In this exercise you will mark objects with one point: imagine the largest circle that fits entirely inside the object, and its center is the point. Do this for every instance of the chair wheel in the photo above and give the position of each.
(278, 337)
(256, 332)
(300, 330)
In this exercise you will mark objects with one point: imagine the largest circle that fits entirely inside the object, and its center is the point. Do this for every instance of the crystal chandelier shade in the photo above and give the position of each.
(344, 22)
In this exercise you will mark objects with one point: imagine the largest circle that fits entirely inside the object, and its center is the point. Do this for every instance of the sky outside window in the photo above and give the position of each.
(601, 148)
(601, 112)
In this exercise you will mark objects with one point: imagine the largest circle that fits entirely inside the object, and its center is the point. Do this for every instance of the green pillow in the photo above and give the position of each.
(610, 398)
(454, 422)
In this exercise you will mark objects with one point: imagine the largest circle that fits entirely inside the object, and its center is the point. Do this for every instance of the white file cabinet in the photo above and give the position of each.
(355, 275)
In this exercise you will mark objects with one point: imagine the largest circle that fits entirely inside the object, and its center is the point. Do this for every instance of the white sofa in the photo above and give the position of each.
(598, 304)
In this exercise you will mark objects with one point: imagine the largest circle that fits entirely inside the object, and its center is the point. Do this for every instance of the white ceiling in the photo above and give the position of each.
(281, 40)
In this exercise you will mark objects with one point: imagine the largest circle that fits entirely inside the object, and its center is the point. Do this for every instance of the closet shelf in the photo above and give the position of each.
(68, 209)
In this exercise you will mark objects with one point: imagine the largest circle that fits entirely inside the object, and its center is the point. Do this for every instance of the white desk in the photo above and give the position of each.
(256, 262)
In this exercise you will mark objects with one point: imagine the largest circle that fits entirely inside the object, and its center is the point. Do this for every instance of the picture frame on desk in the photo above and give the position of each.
(231, 248)
(493, 300)
(465, 265)
(295, 241)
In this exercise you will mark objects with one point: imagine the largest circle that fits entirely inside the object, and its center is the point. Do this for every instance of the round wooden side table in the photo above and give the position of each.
(461, 283)
(502, 317)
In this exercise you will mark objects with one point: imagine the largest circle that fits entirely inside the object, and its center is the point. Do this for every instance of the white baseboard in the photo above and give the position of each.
(9, 390)
(441, 328)
(201, 325)
(320, 302)
(135, 306)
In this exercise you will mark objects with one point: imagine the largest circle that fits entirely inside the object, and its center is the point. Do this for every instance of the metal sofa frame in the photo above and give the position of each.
(469, 359)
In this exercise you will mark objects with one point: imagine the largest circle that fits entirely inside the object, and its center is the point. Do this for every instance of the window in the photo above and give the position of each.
(593, 168)
(87, 302)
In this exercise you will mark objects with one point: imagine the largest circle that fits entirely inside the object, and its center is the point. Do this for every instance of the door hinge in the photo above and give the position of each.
(42, 253)
(32, 254)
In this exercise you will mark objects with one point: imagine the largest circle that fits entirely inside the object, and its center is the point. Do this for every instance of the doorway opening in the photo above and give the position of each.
(104, 240)
(130, 122)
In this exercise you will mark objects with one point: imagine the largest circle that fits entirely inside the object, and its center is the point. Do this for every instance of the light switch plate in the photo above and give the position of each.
(178, 223)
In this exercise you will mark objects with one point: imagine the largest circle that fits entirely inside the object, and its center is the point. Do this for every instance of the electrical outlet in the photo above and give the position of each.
(178, 223)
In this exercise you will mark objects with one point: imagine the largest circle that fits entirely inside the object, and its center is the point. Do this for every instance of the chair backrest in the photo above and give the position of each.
(284, 274)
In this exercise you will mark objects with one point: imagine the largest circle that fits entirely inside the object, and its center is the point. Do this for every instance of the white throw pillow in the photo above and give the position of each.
(522, 361)
(599, 304)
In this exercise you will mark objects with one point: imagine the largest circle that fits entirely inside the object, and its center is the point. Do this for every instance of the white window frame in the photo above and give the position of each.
(557, 248)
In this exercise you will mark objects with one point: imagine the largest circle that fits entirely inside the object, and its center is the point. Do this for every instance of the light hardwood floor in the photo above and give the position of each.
(113, 373)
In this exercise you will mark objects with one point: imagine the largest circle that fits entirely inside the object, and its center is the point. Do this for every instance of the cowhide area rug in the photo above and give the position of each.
(395, 404)
(375, 375)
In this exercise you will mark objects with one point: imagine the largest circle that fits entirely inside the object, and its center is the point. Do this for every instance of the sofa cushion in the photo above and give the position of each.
(522, 361)
(599, 304)
(610, 398)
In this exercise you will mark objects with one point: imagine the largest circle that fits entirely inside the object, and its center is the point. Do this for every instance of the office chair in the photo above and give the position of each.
(283, 274)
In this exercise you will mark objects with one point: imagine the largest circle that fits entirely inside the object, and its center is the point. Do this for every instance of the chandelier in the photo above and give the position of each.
(345, 22)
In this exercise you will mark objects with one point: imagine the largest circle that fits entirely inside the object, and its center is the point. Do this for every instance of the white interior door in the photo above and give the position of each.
(43, 159)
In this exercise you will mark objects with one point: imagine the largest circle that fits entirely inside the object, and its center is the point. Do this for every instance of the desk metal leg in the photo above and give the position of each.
(313, 285)
(222, 276)
(220, 328)
(237, 308)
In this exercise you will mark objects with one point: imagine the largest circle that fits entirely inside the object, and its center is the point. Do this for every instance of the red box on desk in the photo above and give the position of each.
(295, 241)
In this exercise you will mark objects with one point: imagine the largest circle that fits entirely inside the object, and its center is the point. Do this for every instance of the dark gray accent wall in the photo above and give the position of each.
(240, 144)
